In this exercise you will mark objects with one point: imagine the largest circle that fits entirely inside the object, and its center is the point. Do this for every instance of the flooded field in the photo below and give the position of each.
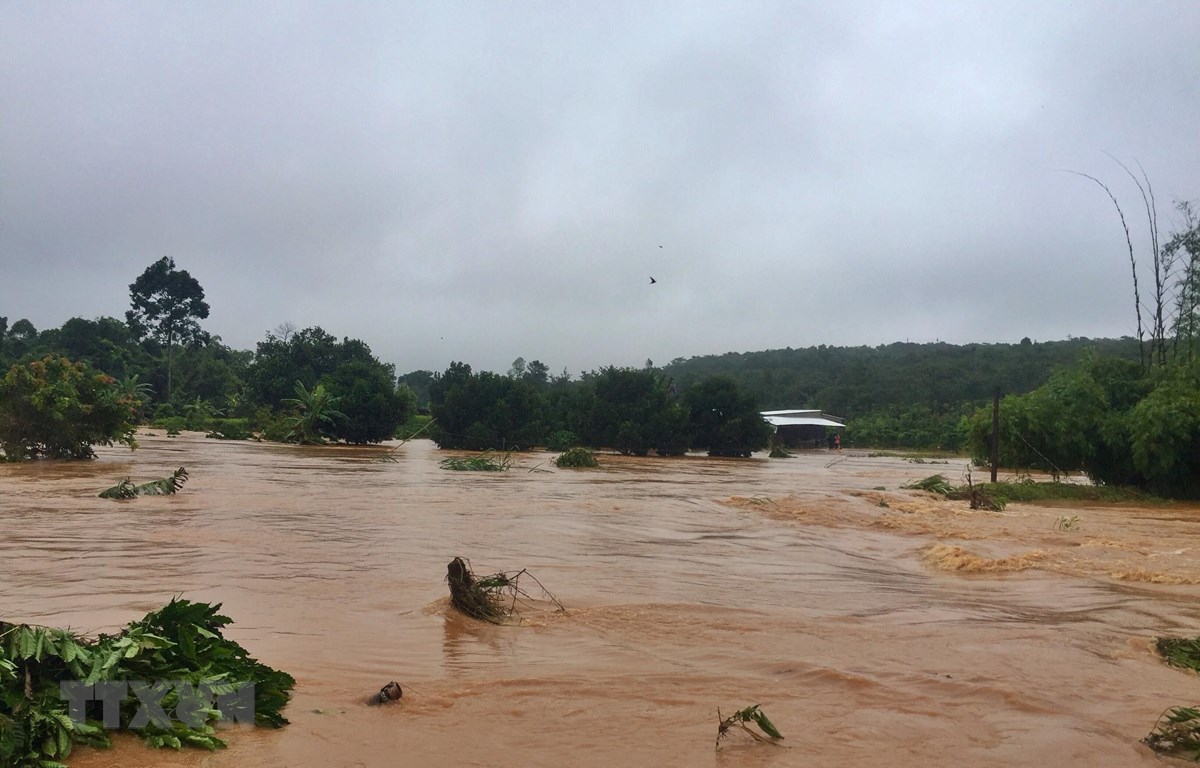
(918, 633)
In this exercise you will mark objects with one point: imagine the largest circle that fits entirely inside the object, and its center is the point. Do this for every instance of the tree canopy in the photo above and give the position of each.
(167, 305)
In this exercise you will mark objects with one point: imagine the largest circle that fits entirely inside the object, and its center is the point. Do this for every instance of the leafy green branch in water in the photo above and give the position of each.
(180, 647)
(493, 598)
(742, 719)
(1180, 651)
(487, 462)
(1177, 733)
(934, 484)
(162, 487)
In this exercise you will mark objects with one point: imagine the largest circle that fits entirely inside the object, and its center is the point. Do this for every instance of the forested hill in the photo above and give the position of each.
(852, 381)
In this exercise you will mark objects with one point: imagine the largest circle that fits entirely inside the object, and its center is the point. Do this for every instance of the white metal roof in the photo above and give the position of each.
(794, 418)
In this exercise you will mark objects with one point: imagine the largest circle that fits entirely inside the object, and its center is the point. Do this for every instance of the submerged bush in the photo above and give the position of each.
(577, 457)
(58, 409)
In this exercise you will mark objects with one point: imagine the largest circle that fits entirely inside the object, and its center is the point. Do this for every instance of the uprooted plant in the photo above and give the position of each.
(165, 486)
(1180, 651)
(495, 598)
(194, 676)
(934, 484)
(1177, 733)
(742, 719)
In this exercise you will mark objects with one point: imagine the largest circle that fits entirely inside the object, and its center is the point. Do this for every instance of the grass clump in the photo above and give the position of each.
(779, 452)
(486, 462)
(577, 458)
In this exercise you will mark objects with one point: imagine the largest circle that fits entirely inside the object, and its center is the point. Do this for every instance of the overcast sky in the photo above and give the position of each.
(482, 181)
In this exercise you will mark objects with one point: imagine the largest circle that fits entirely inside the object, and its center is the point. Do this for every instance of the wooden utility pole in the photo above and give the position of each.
(995, 433)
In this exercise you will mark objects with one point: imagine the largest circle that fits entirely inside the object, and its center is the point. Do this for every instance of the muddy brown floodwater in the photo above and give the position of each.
(913, 634)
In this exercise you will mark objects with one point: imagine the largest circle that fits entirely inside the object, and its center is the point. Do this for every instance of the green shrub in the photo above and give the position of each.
(415, 425)
(229, 429)
(562, 440)
(59, 409)
(173, 425)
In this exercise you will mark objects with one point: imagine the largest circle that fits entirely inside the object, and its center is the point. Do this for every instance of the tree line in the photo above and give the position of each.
(1109, 407)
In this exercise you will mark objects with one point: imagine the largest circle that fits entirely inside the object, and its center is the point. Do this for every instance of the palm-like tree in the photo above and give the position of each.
(314, 412)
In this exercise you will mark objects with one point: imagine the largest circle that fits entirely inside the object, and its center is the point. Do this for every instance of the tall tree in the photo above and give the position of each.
(167, 305)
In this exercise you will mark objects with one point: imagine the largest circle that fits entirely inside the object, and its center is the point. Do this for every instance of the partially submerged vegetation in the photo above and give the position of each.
(162, 487)
(743, 719)
(200, 677)
(1177, 733)
(995, 496)
(485, 462)
(1180, 652)
(575, 458)
(496, 598)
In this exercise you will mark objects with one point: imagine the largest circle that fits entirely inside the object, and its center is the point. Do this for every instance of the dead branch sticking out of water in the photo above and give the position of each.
(161, 487)
(492, 598)
(1177, 733)
(742, 720)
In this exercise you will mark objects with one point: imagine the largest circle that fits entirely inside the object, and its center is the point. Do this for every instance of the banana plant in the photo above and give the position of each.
(314, 413)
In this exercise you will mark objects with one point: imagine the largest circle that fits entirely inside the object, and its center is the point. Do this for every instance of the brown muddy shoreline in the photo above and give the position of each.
(916, 634)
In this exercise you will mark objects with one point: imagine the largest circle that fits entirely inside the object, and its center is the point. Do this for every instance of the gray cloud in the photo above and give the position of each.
(470, 181)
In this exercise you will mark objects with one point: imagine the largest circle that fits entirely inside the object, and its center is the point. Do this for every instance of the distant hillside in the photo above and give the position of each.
(851, 381)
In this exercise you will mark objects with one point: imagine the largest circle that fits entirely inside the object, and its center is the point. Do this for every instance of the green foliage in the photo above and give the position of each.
(1177, 733)
(371, 405)
(162, 487)
(779, 452)
(181, 643)
(59, 409)
(853, 381)
(312, 356)
(577, 457)
(632, 411)
(173, 425)
(562, 440)
(487, 462)
(197, 415)
(484, 411)
(167, 305)
(313, 415)
(913, 426)
(1181, 652)
(229, 429)
(723, 420)
(742, 719)
(416, 424)
(934, 484)
(1108, 418)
